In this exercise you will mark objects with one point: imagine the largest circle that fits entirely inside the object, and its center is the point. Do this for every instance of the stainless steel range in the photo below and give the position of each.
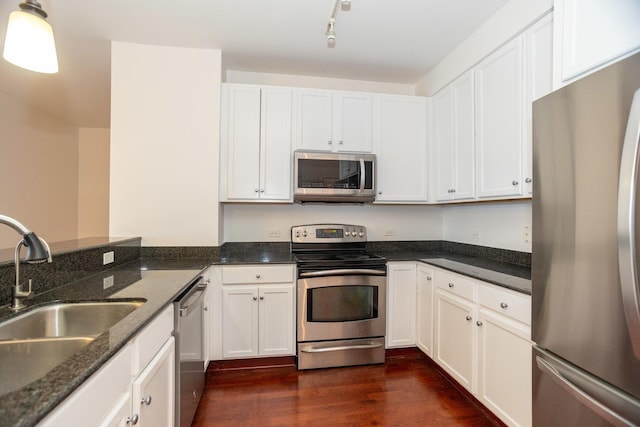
(341, 297)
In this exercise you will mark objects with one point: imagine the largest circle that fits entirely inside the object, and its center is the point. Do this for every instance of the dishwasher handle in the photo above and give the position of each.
(191, 300)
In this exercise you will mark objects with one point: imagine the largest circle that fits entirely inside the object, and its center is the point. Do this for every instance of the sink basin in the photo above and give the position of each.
(86, 319)
(24, 361)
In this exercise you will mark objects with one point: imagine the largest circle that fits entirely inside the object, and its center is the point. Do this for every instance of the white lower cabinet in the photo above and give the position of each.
(135, 387)
(401, 304)
(482, 338)
(424, 309)
(258, 311)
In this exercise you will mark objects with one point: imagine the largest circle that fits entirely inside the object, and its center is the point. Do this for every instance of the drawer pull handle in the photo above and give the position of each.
(469, 318)
(257, 276)
(146, 400)
(504, 305)
(451, 285)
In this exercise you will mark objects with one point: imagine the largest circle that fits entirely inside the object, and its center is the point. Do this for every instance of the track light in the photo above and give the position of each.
(29, 41)
(331, 33)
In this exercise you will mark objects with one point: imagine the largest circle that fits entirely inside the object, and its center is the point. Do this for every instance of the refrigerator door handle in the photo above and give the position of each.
(581, 396)
(627, 193)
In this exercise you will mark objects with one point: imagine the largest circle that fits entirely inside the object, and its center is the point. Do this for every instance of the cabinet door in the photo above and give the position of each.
(538, 82)
(352, 120)
(424, 314)
(400, 128)
(277, 320)
(504, 368)
(443, 141)
(313, 120)
(455, 337)
(243, 142)
(463, 137)
(120, 414)
(153, 390)
(593, 33)
(239, 321)
(499, 122)
(275, 144)
(401, 304)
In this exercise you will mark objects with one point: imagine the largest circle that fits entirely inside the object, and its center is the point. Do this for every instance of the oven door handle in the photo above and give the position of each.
(343, 271)
(311, 349)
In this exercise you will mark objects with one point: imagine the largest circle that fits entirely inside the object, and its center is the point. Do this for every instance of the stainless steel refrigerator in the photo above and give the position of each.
(586, 248)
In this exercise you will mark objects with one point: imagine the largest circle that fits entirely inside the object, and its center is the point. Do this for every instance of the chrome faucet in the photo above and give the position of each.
(37, 251)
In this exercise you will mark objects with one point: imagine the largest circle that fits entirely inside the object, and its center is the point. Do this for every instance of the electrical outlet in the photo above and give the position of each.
(390, 233)
(273, 233)
(527, 234)
(108, 258)
(475, 235)
(107, 282)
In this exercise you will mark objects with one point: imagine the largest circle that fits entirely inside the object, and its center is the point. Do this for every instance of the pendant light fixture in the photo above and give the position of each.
(29, 41)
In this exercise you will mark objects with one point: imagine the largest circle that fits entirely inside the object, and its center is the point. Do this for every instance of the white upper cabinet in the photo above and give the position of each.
(256, 143)
(333, 121)
(590, 34)
(400, 132)
(499, 122)
(538, 67)
(453, 140)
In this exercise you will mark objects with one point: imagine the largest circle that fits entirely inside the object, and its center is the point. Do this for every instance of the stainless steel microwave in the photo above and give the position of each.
(334, 177)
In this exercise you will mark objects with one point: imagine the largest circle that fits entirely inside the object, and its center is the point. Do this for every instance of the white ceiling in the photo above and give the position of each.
(396, 41)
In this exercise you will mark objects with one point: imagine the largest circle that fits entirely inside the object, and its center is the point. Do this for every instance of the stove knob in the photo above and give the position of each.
(354, 233)
(304, 233)
(361, 234)
(297, 233)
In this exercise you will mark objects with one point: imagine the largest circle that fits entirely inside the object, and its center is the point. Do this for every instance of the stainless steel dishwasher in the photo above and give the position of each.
(190, 369)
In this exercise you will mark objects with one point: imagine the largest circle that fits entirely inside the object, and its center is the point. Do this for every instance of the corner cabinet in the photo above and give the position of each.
(454, 140)
(400, 135)
(332, 121)
(401, 304)
(258, 311)
(256, 143)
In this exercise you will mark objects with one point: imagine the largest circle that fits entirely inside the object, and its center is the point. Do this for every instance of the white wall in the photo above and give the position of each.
(503, 25)
(498, 225)
(38, 172)
(165, 114)
(254, 222)
(93, 182)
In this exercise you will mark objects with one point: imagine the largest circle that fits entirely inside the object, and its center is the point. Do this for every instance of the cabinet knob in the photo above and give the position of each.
(330, 142)
(504, 305)
(262, 190)
(451, 285)
(261, 298)
(255, 298)
(257, 276)
(528, 180)
(380, 192)
(132, 420)
(514, 182)
(256, 190)
(340, 142)
(146, 400)
(468, 317)
(429, 278)
(479, 323)
(205, 308)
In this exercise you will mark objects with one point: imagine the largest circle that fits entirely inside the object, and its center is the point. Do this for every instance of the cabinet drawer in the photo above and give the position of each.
(152, 338)
(456, 284)
(257, 274)
(506, 302)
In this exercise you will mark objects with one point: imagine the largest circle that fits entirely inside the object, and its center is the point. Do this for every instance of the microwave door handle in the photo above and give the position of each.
(362, 174)
(627, 194)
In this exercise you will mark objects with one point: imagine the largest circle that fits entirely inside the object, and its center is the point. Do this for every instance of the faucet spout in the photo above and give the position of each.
(37, 251)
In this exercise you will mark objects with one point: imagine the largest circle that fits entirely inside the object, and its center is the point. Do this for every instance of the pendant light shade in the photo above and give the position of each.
(29, 41)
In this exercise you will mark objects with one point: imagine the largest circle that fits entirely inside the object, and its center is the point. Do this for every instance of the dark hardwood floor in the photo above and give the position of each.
(408, 390)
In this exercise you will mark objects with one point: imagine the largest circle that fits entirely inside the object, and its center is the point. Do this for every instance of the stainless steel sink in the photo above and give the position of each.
(37, 341)
(87, 319)
(24, 361)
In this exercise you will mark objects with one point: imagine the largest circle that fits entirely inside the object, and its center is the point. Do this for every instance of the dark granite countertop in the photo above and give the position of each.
(157, 282)
(510, 276)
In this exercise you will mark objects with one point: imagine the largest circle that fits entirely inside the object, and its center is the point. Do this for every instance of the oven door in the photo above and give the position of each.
(341, 307)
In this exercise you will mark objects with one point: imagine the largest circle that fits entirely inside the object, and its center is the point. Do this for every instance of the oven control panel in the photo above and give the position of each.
(328, 233)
